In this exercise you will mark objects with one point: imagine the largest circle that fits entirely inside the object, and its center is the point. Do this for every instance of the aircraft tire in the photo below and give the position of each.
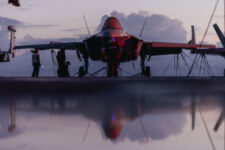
(81, 72)
(147, 71)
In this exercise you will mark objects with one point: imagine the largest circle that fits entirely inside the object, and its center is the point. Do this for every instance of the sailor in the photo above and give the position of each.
(63, 65)
(36, 63)
(65, 71)
(61, 58)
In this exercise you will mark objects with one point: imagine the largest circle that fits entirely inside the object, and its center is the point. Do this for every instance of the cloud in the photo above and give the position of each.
(4, 21)
(78, 29)
(29, 39)
(4, 35)
(157, 127)
(40, 26)
(158, 27)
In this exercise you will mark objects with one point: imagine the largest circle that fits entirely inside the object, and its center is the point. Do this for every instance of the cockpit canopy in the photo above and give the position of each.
(112, 23)
(112, 28)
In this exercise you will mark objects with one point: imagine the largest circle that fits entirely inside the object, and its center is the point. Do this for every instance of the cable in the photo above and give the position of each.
(86, 131)
(196, 64)
(182, 56)
(207, 130)
(206, 31)
(167, 67)
(53, 61)
(126, 71)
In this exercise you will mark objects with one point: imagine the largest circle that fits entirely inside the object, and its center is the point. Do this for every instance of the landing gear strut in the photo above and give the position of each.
(83, 70)
(145, 70)
(112, 70)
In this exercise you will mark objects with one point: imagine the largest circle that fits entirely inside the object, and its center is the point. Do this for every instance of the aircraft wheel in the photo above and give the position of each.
(81, 72)
(147, 71)
(109, 73)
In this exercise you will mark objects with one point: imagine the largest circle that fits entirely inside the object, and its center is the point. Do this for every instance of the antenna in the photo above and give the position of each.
(87, 26)
(143, 26)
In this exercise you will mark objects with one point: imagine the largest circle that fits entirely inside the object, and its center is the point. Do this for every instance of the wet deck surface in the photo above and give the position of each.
(104, 113)
(108, 86)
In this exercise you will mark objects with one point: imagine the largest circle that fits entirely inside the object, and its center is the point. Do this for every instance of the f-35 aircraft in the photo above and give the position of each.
(113, 46)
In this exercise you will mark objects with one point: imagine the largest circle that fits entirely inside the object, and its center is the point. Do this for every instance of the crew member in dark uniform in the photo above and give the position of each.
(65, 71)
(61, 58)
(63, 65)
(36, 63)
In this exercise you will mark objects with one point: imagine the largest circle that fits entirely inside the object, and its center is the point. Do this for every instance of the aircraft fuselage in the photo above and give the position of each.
(113, 44)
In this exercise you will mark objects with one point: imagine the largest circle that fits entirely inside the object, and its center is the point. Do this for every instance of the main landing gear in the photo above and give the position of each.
(145, 70)
(83, 70)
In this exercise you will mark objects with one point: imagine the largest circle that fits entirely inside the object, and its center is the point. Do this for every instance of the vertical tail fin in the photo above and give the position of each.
(12, 40)
(220, 34)
(193, 39)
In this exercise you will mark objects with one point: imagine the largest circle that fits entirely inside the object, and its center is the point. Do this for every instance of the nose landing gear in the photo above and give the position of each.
(112, 70)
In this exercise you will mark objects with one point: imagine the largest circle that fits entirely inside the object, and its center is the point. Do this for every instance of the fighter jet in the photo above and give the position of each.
(113, 46)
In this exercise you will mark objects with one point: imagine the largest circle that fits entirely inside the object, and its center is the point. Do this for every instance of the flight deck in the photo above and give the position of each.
(105, 87)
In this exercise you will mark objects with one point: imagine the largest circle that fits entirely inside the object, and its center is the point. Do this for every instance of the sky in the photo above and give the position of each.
(61, 15)
(47, 20)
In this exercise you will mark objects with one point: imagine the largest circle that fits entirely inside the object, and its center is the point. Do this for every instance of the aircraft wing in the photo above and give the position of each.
(66, 46)
(164, 48)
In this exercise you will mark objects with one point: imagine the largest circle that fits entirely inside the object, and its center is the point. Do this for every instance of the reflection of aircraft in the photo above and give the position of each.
(14, 2)
(113, 45)
(113, 115)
